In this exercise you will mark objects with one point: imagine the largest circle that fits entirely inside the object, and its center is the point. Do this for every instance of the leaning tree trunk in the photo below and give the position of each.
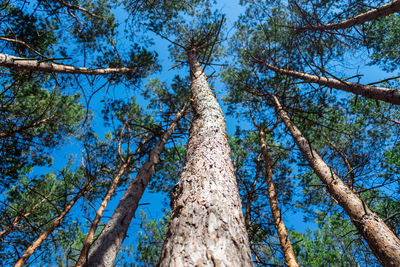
(382, 241)
(207, 226)
(381, 11)
(286, 246)
(93, 227)
(369, 91)
(107, 245)
(32, 248)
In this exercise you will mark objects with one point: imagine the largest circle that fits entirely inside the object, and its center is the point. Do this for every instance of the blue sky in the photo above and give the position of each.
(155, 202)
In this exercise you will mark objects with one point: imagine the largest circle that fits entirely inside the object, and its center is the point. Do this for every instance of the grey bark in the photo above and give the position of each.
(37, 65)
(369, 91)
(105, 249)
(207, 226)
(383, 242)
(382, 11)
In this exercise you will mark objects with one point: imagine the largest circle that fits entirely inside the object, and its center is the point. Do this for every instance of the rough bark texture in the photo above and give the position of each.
(207, 226)
(382, 241)
(381, 11)
(286, 246)
(32, 248)
(373, 92)
(37, 65)
(93, 227)
(106, 247)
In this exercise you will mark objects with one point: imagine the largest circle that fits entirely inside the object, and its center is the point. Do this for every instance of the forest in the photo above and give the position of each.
(199, 133)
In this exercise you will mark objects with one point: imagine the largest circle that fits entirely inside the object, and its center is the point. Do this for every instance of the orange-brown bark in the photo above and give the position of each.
(383, 242)
(286, 246)
(32, 248)
(381, 11)
(369, 91)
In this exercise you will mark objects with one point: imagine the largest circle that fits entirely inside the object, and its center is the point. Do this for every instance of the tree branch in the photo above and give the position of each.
(37, 65)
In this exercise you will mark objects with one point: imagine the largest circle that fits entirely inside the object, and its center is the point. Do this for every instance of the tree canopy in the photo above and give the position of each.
(105, 101)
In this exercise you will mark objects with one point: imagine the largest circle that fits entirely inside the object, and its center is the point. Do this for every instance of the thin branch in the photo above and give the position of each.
(382, 11)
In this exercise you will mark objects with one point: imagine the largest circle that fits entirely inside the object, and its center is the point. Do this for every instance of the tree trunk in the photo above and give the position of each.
(290, 258)
(32, 248)
(207, 226)
(369, 91)
(106, 247)
(381, 11)
(382, 241)
(93, 227)
(37, 65)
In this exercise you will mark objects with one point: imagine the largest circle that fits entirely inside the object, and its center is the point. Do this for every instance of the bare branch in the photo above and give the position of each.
(37, 65)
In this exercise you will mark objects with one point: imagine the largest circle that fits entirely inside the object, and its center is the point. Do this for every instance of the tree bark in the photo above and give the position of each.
(286, 246)
(207, 226)
(382, 241)
(369, 91)
(32, 248)
(37, 65)
(93, 227)
(106, 247)
(381, 11)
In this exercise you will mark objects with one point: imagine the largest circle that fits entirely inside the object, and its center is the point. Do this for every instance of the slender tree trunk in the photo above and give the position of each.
(382, 241)
(369, 91)
(106, 247)
(32, 248)
(37, 65)
(207, 226)
(93, 227)
(381, 11)
(290, 258)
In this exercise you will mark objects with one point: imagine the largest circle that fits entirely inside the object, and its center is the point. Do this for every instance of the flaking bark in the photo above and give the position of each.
(383, 242)
(37, 65)
(107, 245)
(381, 11)
(286, 246)
(369, 91)
(207, 226)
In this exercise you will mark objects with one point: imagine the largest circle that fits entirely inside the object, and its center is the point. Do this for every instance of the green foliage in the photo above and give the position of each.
(151, 238)
(382, 39)
(33, 122)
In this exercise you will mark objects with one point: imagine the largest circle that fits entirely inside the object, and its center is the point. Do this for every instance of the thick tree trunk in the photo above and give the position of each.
(381, 11)
(37, 65)
(32, 248)
(286, 246)
(93, 227)
(382, 241)
(369, 91)
(107, 245)
(207, 226)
